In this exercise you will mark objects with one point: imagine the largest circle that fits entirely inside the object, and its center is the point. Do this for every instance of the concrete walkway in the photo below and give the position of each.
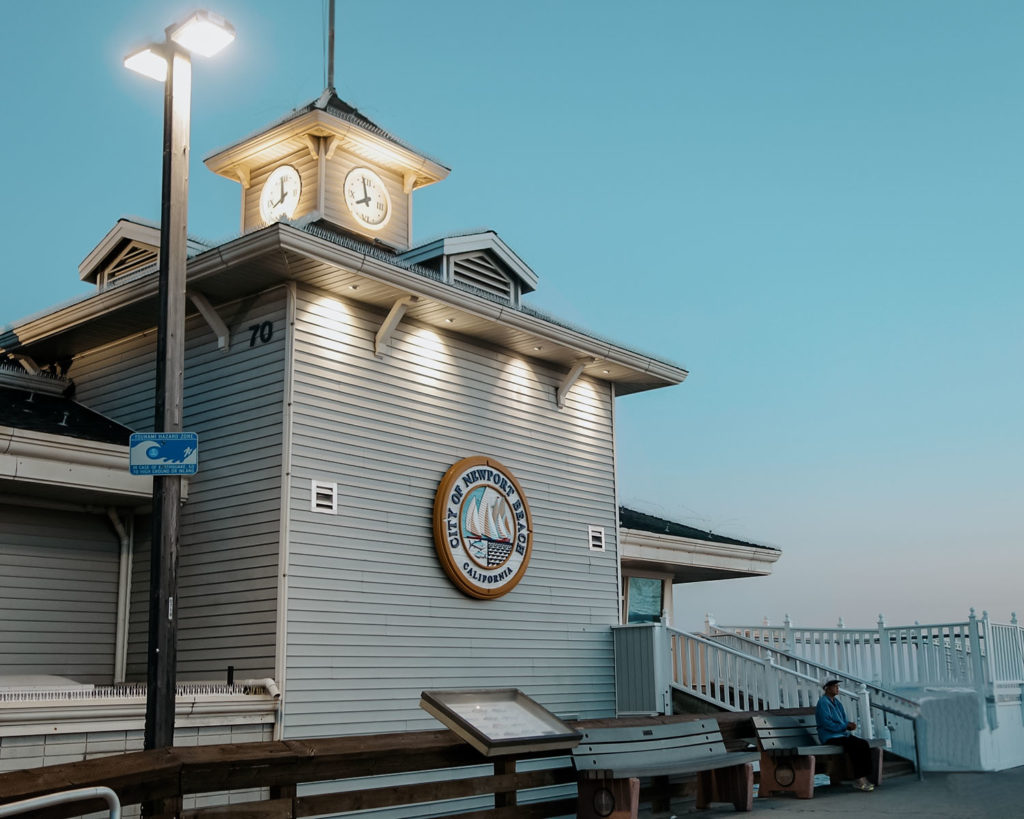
(940, 796)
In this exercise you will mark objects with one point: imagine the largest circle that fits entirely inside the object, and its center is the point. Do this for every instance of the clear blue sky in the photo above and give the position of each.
(815, 207)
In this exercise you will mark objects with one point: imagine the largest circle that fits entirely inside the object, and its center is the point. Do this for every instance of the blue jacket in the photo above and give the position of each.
(831, 718)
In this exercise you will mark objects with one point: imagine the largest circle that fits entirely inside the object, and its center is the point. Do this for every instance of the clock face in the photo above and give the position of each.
(280, 194)
(367, 198)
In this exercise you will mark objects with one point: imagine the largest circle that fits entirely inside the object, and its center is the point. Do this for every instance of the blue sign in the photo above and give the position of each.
(163, 453)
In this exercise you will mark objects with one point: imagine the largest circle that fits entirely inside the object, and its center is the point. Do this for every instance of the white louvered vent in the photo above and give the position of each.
(135, 256)
(325, 497)
(478, 270)
(596, 538)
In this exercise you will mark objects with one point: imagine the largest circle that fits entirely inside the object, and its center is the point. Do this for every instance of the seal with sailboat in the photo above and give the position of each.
(482, 528)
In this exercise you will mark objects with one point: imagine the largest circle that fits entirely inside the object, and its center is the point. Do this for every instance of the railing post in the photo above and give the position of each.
(977, 660)
(885, 654)
(991, 647)
(864, 700)
(709, 623)
(771, 682)
(790, 645)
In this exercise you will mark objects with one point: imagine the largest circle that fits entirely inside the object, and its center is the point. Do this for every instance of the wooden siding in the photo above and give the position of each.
(373, 620)
(230, 525)
(396, 231)
(58, 593)
(305, 164)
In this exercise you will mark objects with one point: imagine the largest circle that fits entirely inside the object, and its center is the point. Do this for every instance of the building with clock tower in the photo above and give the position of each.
(407, 473)
(327, 161)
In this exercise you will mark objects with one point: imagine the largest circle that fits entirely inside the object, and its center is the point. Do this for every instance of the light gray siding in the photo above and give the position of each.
(58, 593)
(372, 618)
(230, 524)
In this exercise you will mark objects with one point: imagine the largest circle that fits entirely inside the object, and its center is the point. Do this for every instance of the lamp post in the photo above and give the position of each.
(205, 34)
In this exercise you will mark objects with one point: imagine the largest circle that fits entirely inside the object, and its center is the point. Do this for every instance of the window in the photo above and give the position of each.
(643, 599)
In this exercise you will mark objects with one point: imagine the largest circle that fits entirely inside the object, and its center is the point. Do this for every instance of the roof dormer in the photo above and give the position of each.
(132, 246)
(480, 262)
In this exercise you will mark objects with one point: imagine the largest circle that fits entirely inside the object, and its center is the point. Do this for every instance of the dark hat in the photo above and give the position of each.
(827, 683)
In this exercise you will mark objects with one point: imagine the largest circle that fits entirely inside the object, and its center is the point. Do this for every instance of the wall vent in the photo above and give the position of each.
(133, 257)
(596, 538)
(325, 497)
(479, 270)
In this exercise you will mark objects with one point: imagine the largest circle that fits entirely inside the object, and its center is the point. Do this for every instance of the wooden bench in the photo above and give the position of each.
(789, 745)
(610, 761)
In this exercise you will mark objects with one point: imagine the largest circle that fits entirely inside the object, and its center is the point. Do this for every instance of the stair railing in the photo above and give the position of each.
(975, 653)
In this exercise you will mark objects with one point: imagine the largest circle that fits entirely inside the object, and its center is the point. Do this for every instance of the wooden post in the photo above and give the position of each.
(502, 767)
(170, 373)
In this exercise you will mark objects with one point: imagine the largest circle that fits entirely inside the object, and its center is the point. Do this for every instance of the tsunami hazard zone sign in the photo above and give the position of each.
(163, 453)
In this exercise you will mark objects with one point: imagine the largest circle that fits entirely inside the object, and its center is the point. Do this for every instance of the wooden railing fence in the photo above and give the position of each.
(521, 786)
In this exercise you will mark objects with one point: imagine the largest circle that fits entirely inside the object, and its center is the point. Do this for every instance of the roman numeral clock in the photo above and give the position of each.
(327, 161)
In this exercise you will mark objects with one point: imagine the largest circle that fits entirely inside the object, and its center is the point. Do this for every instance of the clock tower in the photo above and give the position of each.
(327, 161)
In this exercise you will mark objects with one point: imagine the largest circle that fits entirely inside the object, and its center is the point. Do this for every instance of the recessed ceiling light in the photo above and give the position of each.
(450, 320)
(537, 347)
(353, 286)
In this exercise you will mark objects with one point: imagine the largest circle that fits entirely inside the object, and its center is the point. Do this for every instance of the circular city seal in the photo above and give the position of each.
(482, 528)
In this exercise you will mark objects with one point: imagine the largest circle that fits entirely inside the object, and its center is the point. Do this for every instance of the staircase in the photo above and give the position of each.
(924, 689)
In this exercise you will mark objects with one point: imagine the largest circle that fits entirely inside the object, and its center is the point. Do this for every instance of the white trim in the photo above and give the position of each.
(72, 463)
(128, 713)
(684, 552)
(284, 551)
(599, 531)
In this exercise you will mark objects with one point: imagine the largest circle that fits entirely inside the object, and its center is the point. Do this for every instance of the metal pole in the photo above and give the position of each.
(170, 369)
(330, 48)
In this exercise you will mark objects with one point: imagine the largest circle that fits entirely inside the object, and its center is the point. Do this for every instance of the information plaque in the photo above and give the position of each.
(499, 720)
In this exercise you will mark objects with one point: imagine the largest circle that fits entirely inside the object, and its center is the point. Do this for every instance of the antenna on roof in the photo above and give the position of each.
(330, 47)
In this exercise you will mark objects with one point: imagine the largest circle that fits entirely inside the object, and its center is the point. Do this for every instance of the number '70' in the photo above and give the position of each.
(263, 332)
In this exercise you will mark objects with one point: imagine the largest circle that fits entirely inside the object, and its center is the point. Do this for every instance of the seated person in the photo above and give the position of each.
(834, 729)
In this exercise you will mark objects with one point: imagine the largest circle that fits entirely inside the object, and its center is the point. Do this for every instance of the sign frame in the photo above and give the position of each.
(486, 719)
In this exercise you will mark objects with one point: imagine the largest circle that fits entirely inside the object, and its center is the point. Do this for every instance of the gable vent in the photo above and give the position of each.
(477, 270)
(596, 538)
(325, 497)
(135, 256)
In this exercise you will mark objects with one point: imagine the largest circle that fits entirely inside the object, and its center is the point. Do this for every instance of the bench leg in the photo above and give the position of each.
(733, 784)
(875, 777)
(607, 798)
(787, 773)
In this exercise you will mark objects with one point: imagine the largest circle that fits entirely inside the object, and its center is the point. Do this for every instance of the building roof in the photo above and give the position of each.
(323, 256)
(641, 522)
(37, 403)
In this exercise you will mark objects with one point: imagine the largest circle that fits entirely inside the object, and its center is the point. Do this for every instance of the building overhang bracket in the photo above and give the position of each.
(387, 327)
(571, 378)
(27, 364)
(206, 310)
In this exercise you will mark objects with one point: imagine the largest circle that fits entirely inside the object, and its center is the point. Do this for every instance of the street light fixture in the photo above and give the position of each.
(205, 34)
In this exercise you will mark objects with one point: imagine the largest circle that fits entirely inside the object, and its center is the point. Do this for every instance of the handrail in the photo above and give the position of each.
(880, 697)
(51, 799)
(976, 652)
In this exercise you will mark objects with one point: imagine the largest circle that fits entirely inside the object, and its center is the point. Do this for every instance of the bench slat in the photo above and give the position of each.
(644, 733)
(680, 744)
(681, 768)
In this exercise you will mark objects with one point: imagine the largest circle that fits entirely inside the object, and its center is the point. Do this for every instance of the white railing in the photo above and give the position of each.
(748, 676)
(972, 653)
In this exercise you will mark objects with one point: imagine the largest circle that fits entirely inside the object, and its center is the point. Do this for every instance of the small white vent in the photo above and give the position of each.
(325, 497)
(596, 538)
(479, 271)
